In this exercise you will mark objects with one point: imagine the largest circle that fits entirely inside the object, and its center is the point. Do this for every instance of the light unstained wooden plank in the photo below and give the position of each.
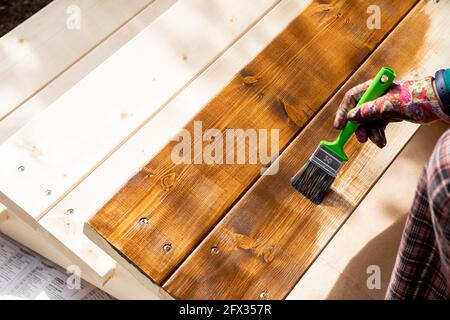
(36, 240)
(268, 240)
(328, 283)
(67, 141)
(121, 284)
(39, 49)
(318, 50)
(101, 185)
(52, 90)
(94, 263)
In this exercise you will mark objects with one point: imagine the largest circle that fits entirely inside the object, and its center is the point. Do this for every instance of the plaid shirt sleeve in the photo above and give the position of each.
(422, 267)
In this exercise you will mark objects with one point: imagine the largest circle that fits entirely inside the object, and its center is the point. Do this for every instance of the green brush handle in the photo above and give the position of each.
(379, 86)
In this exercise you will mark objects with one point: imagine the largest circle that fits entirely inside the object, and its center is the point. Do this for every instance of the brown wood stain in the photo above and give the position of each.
(282, 88)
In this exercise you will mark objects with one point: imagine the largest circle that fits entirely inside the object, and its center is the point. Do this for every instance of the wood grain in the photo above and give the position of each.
(319, 50)
(271, 236)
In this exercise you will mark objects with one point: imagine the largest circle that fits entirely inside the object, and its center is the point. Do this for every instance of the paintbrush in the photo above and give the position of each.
(316, 177)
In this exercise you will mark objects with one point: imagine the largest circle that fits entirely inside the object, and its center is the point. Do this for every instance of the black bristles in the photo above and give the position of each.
(312, 182)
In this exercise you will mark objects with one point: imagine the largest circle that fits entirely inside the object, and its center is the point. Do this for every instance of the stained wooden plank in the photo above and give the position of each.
(68, 140)
(319, 50)
(42, 47)
(268, 240)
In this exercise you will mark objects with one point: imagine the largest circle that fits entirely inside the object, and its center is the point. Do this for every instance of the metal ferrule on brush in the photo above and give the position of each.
(327, 161)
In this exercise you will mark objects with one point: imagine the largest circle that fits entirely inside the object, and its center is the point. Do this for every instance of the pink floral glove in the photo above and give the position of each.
(412, 100)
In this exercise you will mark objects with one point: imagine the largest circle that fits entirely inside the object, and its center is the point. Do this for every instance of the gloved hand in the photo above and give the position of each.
(412, 100)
